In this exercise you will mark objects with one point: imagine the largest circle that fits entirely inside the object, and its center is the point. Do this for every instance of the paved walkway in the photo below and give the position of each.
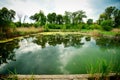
(54, 77)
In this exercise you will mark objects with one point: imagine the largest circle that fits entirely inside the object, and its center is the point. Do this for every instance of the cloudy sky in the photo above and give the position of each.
(29, 7)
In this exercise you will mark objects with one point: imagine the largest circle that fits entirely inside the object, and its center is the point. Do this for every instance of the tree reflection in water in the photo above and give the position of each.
(56, 53)
(7, 51)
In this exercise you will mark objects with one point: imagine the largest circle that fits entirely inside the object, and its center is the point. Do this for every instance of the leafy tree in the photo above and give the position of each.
(67, 17)
(6, 17)
(39, 17)
(81, 15)
(77, 17)
(59, 19)
(74, 18)
(110, 13)
(51, 18)
(90, 21)
(117, 18)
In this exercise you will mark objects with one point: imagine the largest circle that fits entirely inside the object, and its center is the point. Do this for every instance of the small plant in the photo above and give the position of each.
(32, 77)
(13, 75)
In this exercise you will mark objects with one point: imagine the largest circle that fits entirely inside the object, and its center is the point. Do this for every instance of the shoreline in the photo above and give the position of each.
(94, 33)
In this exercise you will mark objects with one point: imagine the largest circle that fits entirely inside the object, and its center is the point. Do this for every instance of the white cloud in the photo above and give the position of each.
(29, 7)
(74, 5)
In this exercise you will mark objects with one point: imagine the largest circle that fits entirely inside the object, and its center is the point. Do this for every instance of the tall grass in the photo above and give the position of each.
(29, 29)
(101, 67)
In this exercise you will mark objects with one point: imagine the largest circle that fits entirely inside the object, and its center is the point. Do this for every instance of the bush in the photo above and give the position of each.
(54, 26)
(107, 25)
(18, 24)
(46, 29)
(12, 25)
(36, 24)
(85, 26)
(95, 26)
(51, 26)
(26, 25)
(107, 28)
(68, 26)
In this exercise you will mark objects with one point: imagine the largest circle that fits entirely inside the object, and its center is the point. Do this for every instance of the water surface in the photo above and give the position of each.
(57, 54)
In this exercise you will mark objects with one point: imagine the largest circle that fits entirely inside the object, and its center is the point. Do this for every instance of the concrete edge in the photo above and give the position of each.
(75, 76)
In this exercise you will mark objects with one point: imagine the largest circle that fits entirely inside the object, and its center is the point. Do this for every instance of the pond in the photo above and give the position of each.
(60, 54)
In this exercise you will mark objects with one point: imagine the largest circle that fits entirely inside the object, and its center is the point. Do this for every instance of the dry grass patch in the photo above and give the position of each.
(29, 29)
(116, 30)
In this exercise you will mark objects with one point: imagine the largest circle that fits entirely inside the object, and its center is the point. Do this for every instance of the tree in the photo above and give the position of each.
(39, 18)
(81, 15)
(90, 21)
(6, 17)
(51, 18)
(74, 18)
(59, 19)
(110, 13)
(77, 17)
(117, 18)
(67, 17)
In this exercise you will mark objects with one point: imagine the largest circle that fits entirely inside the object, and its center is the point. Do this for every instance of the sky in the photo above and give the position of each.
(93, 8)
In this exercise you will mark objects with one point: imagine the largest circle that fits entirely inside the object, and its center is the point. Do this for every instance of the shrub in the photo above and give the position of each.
(107, 25)
(46, 29)
(85, 26)
(68, 26)
(51, 26)
(18, 24)
(95, 26)
(36, 24)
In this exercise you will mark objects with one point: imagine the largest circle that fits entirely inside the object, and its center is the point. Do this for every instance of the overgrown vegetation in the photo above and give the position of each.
(108, 20)
(103, 68)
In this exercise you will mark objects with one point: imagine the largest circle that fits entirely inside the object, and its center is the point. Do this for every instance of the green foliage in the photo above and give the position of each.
(54, 26)
(6, 17)
(85, 26)
(110, 13)
(90, 21)
(51, 18)
(39, 18)
(59, 19)
(46, 29)
(95, 26)
(101, 66)
(27, 24)
(117, 18)
(107, 25)
(18, 24)
(67, 17)
(36, 24)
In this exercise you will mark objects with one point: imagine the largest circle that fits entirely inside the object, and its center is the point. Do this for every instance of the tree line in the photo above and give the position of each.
(109, 19)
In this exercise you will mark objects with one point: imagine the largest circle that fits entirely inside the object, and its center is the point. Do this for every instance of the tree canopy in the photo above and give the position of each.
(6, 17)
(110, 13)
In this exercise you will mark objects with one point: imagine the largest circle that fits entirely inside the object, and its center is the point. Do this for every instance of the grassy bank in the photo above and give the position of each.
(89, 32)
(23, 31)
(18, 32)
